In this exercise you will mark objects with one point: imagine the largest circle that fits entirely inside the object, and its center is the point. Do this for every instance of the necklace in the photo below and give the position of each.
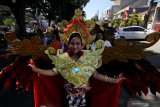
(75, 58)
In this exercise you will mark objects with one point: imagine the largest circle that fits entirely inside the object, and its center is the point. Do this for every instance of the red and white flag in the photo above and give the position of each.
(125, 14)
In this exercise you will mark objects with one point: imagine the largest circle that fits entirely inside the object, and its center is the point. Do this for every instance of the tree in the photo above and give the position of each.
(96, 16)
(18, 9)
(135, 19)
(57, 9)
(52, 9)
(146, 17)
(8, 22)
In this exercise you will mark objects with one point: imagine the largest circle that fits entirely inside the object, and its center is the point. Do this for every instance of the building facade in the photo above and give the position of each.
(128, 6)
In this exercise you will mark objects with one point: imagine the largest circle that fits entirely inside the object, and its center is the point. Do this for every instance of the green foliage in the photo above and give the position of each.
(8, 22)
(89, 23)
(133, 19)
(95, 18)
(57, 9)
(51, 9)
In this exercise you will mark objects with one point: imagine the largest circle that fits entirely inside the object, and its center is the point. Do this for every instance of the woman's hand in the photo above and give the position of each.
(104, 78)
(48, 72)
(34, 68)
(116, 80)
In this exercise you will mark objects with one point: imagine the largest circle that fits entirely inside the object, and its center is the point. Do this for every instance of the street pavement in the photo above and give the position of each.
(149, 100)
(154, 58)
(11, 98)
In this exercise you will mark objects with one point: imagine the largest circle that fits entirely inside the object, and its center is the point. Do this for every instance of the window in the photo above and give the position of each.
(128, 29)
(138, 29)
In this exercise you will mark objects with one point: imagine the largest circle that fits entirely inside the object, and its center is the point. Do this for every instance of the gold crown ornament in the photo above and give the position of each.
(77, 25)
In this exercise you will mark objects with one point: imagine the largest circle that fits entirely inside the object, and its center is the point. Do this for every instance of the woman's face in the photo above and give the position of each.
(99, 36)
(75, 45)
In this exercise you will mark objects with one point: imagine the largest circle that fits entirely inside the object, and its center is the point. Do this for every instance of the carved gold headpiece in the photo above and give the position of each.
(77, 25)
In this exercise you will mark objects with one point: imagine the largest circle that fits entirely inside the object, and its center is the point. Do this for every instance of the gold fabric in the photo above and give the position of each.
(77, 72)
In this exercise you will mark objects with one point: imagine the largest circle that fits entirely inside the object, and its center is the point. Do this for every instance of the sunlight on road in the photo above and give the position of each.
(155, 48)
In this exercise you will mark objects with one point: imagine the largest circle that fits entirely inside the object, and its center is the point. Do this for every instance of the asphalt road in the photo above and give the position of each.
(11, 98)
(150, 100)
(154, 58)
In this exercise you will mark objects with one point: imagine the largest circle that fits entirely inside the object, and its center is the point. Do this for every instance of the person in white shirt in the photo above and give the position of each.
(100, 36)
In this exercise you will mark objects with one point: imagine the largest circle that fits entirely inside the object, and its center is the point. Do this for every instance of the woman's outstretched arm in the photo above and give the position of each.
(104, 78)
(49, 72)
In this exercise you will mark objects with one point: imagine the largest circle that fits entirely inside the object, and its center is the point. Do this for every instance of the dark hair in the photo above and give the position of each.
(73, 35)
(97, 34)
(56, 33)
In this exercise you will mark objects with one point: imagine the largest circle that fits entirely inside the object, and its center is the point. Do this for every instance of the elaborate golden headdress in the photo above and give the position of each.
(77, 25)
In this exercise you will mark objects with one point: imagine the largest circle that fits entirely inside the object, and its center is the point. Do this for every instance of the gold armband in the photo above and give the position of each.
(37, 71)
(55, 70)
(110, 79)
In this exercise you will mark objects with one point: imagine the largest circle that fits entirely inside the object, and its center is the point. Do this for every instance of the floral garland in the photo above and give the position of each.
(56, 45)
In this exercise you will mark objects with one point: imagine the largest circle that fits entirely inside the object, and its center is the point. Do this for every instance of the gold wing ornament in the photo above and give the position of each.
(129, 59)
(34, 46)
(123, 50)
(27, 47)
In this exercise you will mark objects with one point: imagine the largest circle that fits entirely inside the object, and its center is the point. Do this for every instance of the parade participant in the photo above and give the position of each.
(100, 36)
(56, 42)
(76, 76)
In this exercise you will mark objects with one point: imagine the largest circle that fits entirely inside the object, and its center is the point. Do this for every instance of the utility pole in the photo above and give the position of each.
(146, 17)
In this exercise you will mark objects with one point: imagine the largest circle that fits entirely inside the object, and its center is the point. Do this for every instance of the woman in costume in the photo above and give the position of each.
(76, 67)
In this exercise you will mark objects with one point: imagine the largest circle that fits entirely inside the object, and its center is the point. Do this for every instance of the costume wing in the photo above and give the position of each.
(19, 75)
(129, 58)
